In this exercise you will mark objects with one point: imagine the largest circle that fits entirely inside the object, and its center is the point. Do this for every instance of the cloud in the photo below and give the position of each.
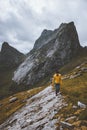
(21, 22)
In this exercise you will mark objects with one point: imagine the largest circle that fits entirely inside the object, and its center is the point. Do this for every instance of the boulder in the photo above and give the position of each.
(74, 107)
(84, 69)
(81, 105)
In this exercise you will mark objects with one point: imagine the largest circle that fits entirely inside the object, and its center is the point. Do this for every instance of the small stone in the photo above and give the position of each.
(23, 101)
(78, 67)
(66, 125)
(13, 99)
(70, 118)
(74, 107)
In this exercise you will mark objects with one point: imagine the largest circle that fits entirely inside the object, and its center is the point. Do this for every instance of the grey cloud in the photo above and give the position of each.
(23, 24)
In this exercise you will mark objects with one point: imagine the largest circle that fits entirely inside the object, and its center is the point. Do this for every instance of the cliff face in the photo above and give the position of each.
(52, 50)
(9, 56)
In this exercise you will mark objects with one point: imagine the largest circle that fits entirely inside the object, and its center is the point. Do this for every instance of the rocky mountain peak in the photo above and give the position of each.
(5, 47)
(52, 50)
(64, 32)
(5, 44)
(9, 56)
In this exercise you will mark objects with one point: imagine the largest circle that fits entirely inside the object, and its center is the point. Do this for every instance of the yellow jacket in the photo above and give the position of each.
(56, 79)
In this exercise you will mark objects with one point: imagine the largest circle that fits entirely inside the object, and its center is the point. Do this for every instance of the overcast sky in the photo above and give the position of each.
(22, 21)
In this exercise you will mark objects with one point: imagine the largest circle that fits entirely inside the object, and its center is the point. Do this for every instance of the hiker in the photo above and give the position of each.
(57, 81)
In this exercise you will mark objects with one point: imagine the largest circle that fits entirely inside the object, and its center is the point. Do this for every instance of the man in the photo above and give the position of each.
(57, 81)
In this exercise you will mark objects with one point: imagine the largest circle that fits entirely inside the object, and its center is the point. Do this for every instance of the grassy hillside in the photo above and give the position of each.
(74, 89)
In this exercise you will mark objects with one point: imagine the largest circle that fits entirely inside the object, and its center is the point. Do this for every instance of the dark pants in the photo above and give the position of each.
(57, 87)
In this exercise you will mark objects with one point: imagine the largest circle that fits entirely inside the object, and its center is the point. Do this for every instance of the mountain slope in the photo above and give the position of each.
(51, 51)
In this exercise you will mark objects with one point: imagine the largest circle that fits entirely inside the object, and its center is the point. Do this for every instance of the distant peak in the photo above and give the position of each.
(5, 44)
(71, 23)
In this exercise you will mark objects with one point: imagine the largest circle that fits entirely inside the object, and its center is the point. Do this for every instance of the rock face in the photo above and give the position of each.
(52, 50)
(9, 56)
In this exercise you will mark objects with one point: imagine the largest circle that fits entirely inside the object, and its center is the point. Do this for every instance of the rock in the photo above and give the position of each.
(74, 107)
(78, 67)
(70, 118)
(13, 99)
(12, 122)
(66, 125)
(23, 101)
(74, 76)
(84, 69)
(81, 105)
